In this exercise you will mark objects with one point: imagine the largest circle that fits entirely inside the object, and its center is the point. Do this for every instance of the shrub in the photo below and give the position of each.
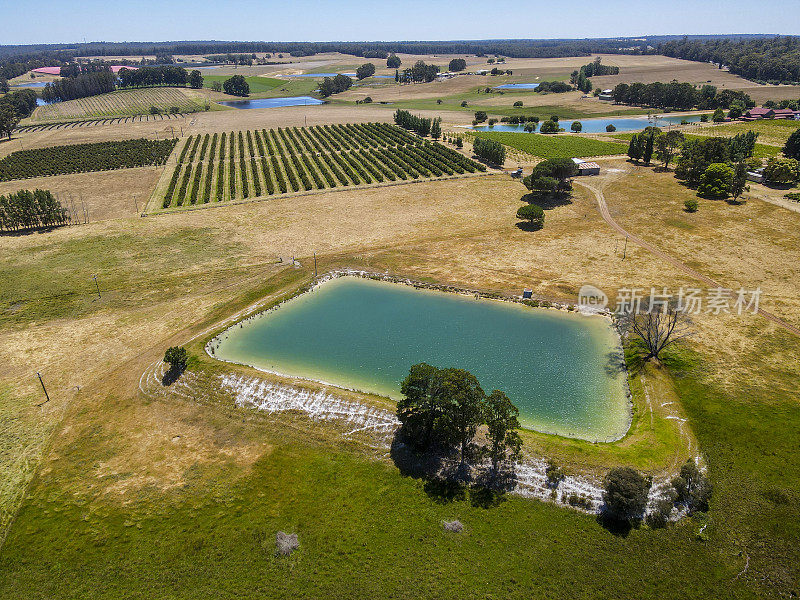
(716, 182)
(549, 127)
(576, 127)
(625, 494)
(610, 127)
(691, 205)
(782, 170)
(518, 104)
(692, 488)
(176, 357)
(533, 214)
(480, 116)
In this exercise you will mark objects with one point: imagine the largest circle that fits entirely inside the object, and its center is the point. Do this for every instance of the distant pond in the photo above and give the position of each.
(517, 86)
(273, 102)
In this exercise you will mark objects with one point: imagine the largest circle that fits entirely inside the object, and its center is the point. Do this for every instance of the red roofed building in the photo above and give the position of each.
(770, 113)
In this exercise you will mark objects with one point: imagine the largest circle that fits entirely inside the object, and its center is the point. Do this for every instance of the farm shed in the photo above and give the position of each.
(588, 168)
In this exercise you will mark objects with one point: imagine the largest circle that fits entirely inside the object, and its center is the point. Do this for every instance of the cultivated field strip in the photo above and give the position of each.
(121, 103)
(256, 163)
(83, 158)
(100, 121)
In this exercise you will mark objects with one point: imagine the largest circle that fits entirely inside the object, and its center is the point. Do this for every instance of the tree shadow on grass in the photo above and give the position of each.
(528, 226)
(446, 480)
(172, 375)
(617, 527)
(548, 202)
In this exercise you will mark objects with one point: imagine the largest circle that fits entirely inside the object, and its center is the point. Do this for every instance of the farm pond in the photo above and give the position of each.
(273, 102)
(563, 370)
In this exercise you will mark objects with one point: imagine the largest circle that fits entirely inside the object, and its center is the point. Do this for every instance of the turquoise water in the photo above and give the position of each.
(273, 102)
(599, 125)
(557, 367)
(517, 86)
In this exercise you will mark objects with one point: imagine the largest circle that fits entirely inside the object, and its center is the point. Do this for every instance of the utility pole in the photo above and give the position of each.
(625, 251)
(97, 285)
(136, 204)
(315, 265)
(44, 388)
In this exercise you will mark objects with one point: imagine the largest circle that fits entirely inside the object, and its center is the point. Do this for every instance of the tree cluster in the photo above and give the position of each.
(442, 409)
(489, 150)
(681, 96)
(420, 72)
(365, 70)
(81, 86)
(22, 102)
(697, 155)
(335, 85)
(31, 210)
(406, 120)
(551, 177)
(555, 87)
(457, 64)
(770, 60)
(236, 86)
(153, 76)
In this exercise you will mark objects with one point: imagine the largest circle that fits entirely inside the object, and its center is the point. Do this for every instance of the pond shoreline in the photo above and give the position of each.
(214, 343)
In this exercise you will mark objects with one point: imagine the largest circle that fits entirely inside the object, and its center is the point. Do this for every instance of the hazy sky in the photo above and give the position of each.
(46, 21)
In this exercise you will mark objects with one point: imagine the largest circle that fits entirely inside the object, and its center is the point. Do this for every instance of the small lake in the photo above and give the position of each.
(560, 369)
(517, 86)
(32, 84)
(273, 102)
(599, 125)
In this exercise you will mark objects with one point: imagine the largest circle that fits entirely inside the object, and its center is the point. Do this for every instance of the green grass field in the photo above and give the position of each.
(257, 84)
(554, 146)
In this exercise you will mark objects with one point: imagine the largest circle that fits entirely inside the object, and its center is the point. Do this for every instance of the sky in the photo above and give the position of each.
(59, 21)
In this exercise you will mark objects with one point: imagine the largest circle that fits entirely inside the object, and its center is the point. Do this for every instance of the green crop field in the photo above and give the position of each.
(124, 103)
(257, 84)
(554, 146)
(256, 163)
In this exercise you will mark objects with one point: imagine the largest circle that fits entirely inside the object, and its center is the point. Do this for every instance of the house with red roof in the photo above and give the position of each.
(770, 113)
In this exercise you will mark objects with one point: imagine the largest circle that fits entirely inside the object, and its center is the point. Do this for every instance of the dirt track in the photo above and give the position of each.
(597, 190)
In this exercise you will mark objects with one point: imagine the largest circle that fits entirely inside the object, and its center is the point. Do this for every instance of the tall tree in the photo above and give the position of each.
(647, 154)
(421, 410)
(195, 80)
(667, 145)
(8, 119)
(739, 182)
(464, 397)
(236, 86)
(501, 418)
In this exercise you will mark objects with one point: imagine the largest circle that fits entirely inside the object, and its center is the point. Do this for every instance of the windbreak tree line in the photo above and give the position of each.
(31, 210)
(335, 85)
(81, 86)
(679, 96)
(153, 76)
(81, 158)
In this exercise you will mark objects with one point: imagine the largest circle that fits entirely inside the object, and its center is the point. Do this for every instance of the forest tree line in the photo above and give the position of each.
(31, 210)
